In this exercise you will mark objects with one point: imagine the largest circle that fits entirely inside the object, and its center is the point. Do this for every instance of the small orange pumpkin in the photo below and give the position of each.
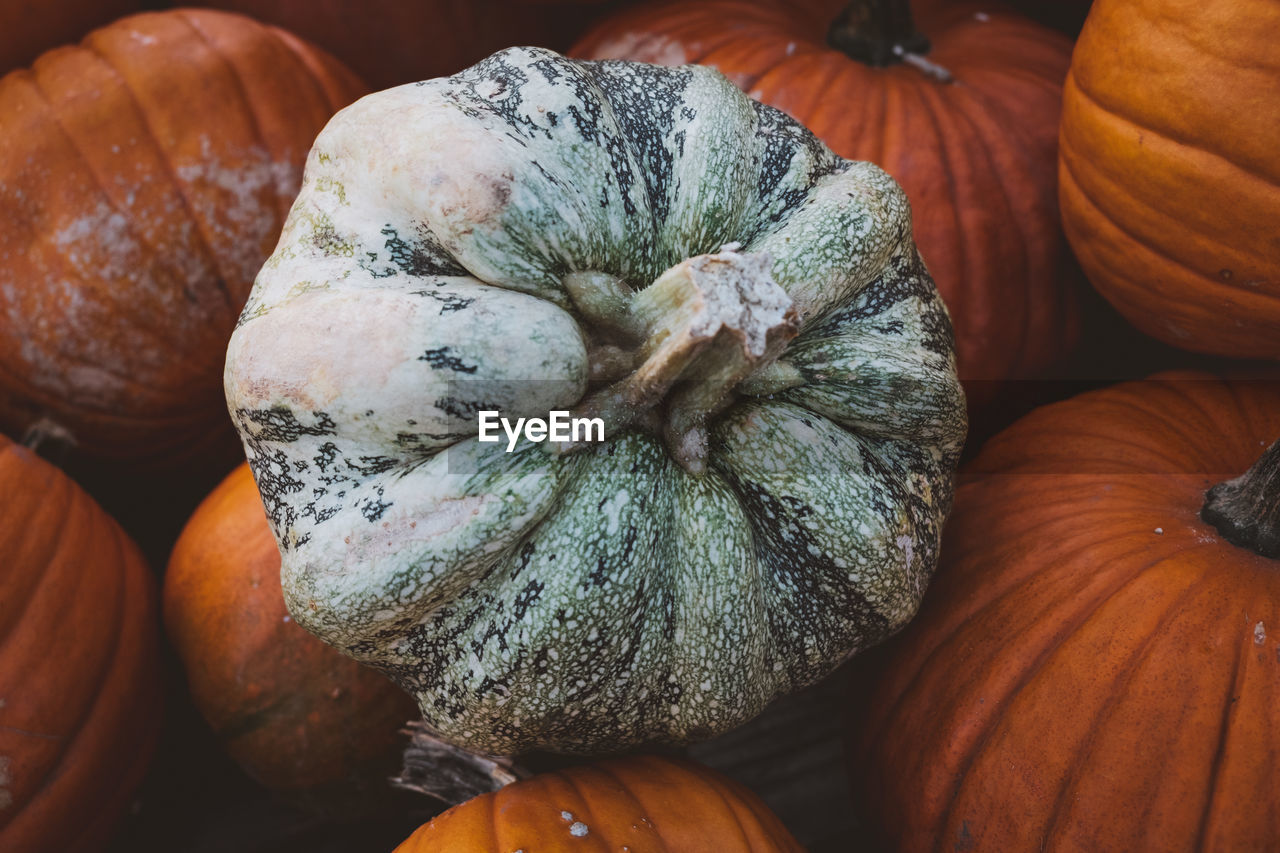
(641, 804)
(144, 177)
(80, 697)
(1095, 666)
(1170, 169)
(293, 712)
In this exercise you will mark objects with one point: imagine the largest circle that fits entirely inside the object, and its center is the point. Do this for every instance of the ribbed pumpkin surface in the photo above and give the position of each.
(641, 804)
(1170, 169)
(79, 680)
(1094, 668)
(144, 177)
(977, 158)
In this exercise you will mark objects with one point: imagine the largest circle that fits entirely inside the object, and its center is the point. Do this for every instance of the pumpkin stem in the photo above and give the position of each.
(880, 33)
(709, 322)
(449, 773)
(1246, 510)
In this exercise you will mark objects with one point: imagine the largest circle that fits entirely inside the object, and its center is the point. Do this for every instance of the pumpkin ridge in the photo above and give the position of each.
(1228, 715)
(1069, 170)
(953, 634)
(211, 257)
(964, 258)
(1168, 135)
(983, 142)
(1084, 611)
(12, 453)
(104, 674)
(587, 816)
(125, 376)
(1193, 436)
(1238, 288)
(866, 131)
(67, 566)
(491, 807)
(731, 800)
(58, 121)
(233, 73)
(1112, 699)
(1083, 752)
(606, 768)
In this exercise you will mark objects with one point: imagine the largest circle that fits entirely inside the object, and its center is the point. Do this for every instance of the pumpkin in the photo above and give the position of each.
(28, 27)
(1169, 170)
(1096, 664)
(80, 698)
(642, 803)
(144, 176)
(390, 42)
(292, 711)
(740, 312)
(976, 156)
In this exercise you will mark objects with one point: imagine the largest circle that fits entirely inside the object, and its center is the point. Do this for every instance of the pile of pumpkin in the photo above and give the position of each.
(1096, 663)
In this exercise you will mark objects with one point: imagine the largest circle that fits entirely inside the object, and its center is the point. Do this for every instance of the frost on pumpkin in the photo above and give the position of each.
(604, 598)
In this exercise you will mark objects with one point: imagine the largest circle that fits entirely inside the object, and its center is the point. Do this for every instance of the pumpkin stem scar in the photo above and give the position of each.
(706, 324)
(450, 773)
(1246, 510)
(880, 33)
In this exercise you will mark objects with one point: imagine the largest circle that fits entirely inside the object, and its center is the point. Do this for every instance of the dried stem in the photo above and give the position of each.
(448, 773)
(1246, 510)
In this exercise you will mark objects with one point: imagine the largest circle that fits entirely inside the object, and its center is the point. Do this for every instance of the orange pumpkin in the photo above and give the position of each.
(642, 804)
(977, 157)
(80, 697)
(29, 27)
(1170, 170)
(390, 42)
(144, 177)
(293, 712)
(1095, 666)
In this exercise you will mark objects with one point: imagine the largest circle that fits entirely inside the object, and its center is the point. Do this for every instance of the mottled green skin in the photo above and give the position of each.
(606, 598)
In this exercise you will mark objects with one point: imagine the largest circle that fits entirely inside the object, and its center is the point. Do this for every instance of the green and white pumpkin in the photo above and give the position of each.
(744, 310)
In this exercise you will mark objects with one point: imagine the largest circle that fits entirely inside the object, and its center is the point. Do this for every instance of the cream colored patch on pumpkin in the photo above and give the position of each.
(278, 361)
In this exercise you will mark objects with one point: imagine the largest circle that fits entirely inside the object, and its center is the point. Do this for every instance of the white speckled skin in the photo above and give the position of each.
(606, 598)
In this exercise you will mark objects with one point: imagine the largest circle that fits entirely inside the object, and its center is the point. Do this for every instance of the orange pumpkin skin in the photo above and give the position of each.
(29, 27)
(292, 711)
(1169, 169)
(144, 177)
(79, 667)
(390, 42)
(643, 804)
(1093, 668)
(977, 160)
